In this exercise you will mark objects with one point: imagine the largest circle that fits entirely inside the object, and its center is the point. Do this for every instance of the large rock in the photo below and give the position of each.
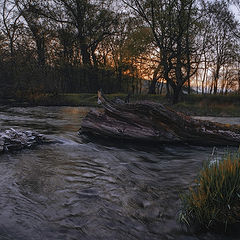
(11, 140)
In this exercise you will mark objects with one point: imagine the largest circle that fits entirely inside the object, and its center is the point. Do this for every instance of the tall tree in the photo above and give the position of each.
(10, 19)
(222, 38)
(174, 26)
(92, 22)
(36, 25)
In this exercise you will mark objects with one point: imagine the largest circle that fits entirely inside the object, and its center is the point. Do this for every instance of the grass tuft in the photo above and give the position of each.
(214, 201)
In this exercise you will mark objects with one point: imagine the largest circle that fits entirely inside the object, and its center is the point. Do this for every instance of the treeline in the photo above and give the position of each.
(70, 46)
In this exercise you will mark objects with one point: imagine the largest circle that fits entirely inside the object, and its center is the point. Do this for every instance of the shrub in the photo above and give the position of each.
(214, 201)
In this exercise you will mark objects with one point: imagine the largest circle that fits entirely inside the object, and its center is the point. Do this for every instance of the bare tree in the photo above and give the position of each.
(11, 20)
(223, 46)
(174, 26)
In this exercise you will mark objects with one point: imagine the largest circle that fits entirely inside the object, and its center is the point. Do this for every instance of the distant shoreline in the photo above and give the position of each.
(195, 105)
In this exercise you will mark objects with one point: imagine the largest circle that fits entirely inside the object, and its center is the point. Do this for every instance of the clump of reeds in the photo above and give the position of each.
(214, 201)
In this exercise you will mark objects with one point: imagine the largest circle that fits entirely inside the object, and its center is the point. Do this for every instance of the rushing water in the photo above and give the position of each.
(83, 190)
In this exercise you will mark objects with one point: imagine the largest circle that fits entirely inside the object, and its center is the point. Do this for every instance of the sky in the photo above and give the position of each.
(236, 11)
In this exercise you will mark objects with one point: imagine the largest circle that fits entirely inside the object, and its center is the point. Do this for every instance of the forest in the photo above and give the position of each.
(129, 46)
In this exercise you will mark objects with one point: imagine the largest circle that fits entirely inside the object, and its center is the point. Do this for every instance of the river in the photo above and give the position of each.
(77, 189)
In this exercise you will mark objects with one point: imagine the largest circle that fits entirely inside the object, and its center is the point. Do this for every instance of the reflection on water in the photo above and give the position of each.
(79, 190)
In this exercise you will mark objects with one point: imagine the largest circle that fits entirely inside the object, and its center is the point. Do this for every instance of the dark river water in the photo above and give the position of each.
(76, 189)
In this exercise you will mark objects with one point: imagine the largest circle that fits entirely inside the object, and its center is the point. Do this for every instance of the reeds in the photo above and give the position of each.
(214, 201)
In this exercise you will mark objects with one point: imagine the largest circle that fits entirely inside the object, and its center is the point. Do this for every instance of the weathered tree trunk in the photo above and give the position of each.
(176, 94)
(216, 78)
(153, 122)
(156, 76)
(152, 88)
(40, 42)
(85, 54)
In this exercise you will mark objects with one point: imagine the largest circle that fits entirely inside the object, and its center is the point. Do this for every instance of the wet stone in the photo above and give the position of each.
(12, 140)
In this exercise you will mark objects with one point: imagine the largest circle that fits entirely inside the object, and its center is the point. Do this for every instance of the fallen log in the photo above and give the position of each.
(154, 122)
(12, 140)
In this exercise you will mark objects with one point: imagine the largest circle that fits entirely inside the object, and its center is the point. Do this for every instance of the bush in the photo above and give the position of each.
(215, 199)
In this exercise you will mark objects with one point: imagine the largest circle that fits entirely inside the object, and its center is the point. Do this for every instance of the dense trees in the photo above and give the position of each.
(62, 46)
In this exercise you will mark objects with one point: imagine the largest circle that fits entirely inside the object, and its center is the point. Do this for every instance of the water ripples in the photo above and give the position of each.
(82, 190)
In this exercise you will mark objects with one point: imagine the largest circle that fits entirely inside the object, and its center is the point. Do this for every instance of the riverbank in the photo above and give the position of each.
(210, 105)
(196, 105)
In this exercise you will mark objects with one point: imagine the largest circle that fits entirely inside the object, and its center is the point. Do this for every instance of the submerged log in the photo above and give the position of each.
(153, 122)
(12, 140)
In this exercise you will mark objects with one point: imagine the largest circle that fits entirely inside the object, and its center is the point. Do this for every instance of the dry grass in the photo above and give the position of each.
(214, 201)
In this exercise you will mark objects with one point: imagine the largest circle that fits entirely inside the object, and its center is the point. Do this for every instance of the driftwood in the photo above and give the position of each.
(12, 140)
(153, 122)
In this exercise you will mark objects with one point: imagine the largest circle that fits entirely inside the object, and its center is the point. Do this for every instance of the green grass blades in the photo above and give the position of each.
(214, 200)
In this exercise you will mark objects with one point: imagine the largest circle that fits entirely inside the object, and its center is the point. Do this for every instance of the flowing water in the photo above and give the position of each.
(76, 189)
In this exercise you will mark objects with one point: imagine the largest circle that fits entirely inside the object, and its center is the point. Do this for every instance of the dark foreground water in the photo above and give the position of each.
(83, 190)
